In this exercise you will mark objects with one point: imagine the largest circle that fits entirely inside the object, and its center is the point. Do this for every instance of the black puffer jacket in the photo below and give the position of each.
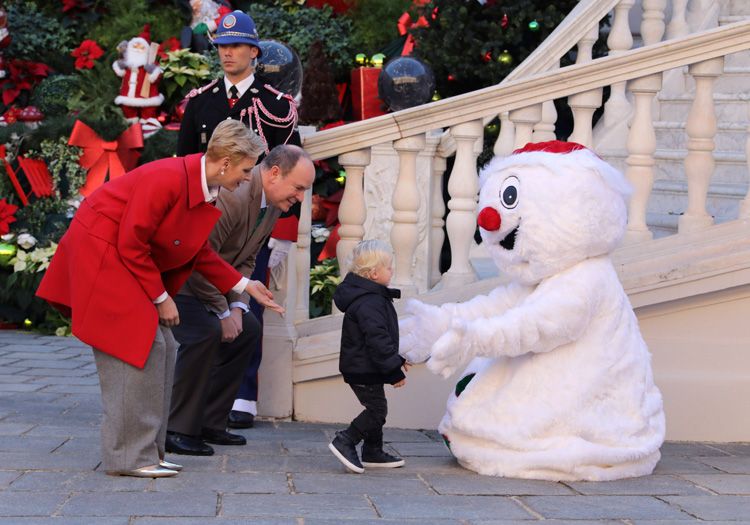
(369, 333)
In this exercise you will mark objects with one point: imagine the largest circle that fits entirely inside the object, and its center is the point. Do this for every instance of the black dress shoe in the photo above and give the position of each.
(238, 419)
(222, 437)
(177, 443)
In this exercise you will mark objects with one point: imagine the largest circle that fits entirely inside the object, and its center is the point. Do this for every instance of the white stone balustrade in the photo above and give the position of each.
(524, 120)
(404, 233)
(701, 130)
(506, 139)
(463, 187)
(352, 211)
(302, 259)
(584, 104)
(678, 25)
(640, 160)
(745, 204)
(437, 208)
(652, 25)
(620, 39)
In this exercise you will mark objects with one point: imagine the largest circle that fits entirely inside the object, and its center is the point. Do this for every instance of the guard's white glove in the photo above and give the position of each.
(279, 251)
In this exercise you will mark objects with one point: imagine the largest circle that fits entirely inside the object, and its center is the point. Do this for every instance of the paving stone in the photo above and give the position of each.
(445, 507)
(302, 448)
(602, 507)
(738, 484)
(73, 389)
(327, 464)
(13, 378)
(140, 504)
(65, 380)
(19, 387)
(730, 465)
(7, 477)
(714, 507)
(71, 431)
(400, 521)
(690, 449)
(488, 486)
(354, 484)
(338, 506)
(35, 354)
(14, 429)
(57, 520)
(736, 449)
(29, 443)
(4, 361)
(101, 483)
(190, 482)
(682, 465)
(78, 372)
(79, 445)
(33, 460)
(421, 449)
(215, 521)
(677, 522)
(20, 504)
(550, 522)
(391, 435)
(258, 448)
(49, 363)
(644, 486)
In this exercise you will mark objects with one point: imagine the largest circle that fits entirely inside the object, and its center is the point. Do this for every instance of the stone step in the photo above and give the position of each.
(668, 201)
(728, 108)
(734, 80)
(736, 7)
(730, 136)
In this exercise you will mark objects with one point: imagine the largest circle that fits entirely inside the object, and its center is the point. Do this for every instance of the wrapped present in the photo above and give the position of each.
(365, 101)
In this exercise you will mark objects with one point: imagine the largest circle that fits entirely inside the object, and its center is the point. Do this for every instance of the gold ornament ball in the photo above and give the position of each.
(7, 252)
(505, 58)
(378, 59)
(436, 96)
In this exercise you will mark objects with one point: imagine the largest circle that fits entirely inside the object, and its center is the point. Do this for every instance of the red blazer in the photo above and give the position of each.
(132, 239)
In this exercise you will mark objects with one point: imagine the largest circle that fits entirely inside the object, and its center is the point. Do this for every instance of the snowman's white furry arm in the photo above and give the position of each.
(557, 312)
(427, 323)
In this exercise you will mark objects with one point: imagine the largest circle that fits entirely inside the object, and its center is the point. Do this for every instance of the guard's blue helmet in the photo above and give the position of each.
(237, 28)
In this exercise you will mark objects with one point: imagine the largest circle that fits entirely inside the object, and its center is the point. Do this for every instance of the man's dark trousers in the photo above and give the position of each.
(204, 397)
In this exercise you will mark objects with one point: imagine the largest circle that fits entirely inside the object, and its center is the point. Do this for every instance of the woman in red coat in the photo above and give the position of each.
(130, 247)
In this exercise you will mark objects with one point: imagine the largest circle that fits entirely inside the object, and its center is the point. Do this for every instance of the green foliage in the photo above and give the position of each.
(375, 23)
(125, 20)
(301, 27)
(93, 101)
(38, 37)
(160, 145)
(459, 38)
(52, 94)
(62, 161)
(324, 278)
(183, 71)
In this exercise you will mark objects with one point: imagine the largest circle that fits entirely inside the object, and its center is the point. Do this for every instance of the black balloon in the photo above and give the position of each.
(405, 82)
(280, 66)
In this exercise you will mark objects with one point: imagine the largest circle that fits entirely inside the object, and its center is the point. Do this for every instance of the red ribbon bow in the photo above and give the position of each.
(404, 24)
(100, 157)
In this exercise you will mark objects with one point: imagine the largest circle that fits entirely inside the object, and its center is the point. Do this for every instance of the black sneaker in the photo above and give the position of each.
(379, 458)
(346, 451)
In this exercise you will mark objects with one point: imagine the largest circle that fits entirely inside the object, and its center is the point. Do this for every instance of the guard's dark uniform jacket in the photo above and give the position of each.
(269, 113)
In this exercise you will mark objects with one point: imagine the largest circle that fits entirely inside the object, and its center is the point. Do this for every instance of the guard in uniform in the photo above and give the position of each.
(243, 96)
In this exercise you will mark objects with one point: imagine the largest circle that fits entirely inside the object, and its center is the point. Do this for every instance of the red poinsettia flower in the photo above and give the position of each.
(6, 216)
(22, 75)
(70, 4)
(170, 44)
(86, 53)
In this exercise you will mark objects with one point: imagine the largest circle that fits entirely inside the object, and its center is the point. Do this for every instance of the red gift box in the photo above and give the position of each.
(365, 101)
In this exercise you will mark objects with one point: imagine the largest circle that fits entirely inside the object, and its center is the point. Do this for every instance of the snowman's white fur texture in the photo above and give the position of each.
(563, 387)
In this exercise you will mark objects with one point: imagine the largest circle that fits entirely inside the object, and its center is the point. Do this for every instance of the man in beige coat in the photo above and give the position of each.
(216, 334)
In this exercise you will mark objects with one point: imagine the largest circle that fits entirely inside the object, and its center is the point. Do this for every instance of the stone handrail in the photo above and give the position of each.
(539, 88)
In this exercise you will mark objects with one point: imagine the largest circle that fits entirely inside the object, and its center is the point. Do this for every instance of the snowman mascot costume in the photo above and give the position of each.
(559, 384)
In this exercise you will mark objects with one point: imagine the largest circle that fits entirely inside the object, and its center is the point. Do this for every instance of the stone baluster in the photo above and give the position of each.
(463, 187)
(302, 259)
(524, 120)
(506, 139)
(437, 235)
(620, 39)
(405, 233)
(652, 25)
(745, 204)
(640, 162)
(352, 210)
(701, 129)
(678, 25)
(584, 104)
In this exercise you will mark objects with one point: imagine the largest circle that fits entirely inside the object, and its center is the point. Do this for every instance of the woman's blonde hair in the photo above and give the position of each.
(368, 255)
(233, 139)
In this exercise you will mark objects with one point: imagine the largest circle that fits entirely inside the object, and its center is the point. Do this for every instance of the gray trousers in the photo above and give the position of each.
(136, 405)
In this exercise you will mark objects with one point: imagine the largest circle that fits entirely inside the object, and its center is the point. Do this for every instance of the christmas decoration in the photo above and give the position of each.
(405, 82)
(365, 101)
(504, 21)
(562, 386)
(86, 53)
(404, 24)
(320, 103)
(22, 76)
(505, 58)
(4, 37)
(205, 16)
(7, 212)
(377, 59)
(534, 26)
(7, 250)
(139, 95)
(30, 178)
(360, 59)
(103, 158)
(280, 66)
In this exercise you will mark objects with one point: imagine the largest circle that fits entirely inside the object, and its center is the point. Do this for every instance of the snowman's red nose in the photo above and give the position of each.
(489, 219)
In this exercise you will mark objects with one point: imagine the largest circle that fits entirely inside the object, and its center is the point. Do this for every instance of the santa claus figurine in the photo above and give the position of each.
(139, 93)
(558, 384)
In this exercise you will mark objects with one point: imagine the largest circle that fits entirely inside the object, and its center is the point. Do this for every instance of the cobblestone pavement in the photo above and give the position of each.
(49, 459)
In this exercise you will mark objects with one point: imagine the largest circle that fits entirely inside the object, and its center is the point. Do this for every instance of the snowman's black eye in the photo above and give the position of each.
(509, 193)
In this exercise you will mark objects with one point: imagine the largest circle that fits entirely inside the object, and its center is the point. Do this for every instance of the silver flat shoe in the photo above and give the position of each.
(168, 464)
(152, 471)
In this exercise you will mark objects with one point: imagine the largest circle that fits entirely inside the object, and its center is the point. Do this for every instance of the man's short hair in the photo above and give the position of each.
(285, 156)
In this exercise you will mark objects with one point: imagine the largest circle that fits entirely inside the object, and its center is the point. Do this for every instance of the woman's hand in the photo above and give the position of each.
(168, 314)
(263, 295)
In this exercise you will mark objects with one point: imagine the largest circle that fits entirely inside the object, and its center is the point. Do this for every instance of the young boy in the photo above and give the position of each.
(369, 353)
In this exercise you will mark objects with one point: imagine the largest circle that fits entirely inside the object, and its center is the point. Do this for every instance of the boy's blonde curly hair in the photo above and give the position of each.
(368, 255)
